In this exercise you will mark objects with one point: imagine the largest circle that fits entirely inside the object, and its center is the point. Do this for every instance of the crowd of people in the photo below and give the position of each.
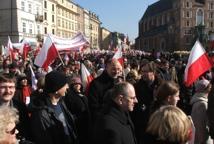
(141, 101)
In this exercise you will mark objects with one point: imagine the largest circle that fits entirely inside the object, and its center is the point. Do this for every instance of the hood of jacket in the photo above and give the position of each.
(199, 97)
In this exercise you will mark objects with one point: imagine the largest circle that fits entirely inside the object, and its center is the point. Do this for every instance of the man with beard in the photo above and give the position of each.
(145, 91)
(101, 84)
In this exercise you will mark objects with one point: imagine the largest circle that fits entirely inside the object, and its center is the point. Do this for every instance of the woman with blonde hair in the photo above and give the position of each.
(168, 125)
(8, 120)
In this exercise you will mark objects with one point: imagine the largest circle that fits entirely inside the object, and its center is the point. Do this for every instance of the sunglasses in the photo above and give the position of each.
(12, 132)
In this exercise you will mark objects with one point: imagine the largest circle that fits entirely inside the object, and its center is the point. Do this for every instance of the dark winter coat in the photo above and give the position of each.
(114, 127)
(97, 90)
(145, 96)
(24, 122)
(46, 127)
(77, 104)
(210, 112)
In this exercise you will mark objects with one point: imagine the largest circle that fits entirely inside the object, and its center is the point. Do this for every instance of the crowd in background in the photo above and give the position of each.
(142, 101)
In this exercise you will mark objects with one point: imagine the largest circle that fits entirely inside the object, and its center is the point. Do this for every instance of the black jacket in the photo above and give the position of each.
(97, 90)
(145, 95)
(23, 125)
(114, 126)
(77, 104)
(46, 127)
(210, 112)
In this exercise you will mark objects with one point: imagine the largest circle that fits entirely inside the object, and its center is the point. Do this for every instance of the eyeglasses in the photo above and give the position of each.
(12, 132)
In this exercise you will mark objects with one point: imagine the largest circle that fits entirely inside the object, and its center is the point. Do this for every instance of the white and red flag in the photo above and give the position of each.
(86, 78)
(198, 63)
(119, 55)
(25, 50)
(9, 49)
(47, 54)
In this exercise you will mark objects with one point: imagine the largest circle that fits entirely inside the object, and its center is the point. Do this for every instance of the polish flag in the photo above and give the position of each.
(119, 55)
(24, 50)
(9, 50)
(198, 63)
(47, 54)
(86, 78)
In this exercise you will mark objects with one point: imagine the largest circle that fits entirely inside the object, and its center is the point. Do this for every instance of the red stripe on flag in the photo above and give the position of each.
(51, 56)
(201, 65)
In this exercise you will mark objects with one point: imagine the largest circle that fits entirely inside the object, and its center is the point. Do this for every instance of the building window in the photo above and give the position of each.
(72, 26)
(53, 7)
(211, 15)
(211, 5)
(63, 24)
(211, 24)
(24, 27)
(52, 18)
(53, 31)
(58, 22)
(45, 30)
(187, 40)
(37, 10)
(69, 25)
(187, 24)
(30, 28)
(29, 8)
(59, 11)
(23, 6)
(45, 15)
(45, 4)
(187, 4)
(38, 29)
(199, 17)
(188, 14)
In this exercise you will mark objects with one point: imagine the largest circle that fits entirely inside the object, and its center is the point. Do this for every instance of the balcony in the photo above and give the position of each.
(39, 18)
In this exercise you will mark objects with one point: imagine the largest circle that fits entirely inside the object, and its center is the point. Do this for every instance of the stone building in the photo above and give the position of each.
(172, 25)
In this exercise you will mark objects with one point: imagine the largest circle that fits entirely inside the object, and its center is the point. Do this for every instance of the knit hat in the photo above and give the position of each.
(201, 85)
(54, 81)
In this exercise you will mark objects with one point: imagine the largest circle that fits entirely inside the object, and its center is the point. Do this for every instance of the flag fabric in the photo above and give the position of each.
(24, 50)
(9, 50)
(3, 50)
(74, 44)
(86, 78)
(47, 54)
(119, 55)
(33, 79)
(198, 63)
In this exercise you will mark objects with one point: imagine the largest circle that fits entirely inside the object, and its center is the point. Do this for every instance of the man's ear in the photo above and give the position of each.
(119, 99)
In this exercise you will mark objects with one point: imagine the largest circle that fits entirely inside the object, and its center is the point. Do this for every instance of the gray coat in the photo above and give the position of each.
(199, 116)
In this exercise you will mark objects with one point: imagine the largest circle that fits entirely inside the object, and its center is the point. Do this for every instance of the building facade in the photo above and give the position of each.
(32, 19)
(94, 30)
(105, 38)
(172, 25)
(21, 19)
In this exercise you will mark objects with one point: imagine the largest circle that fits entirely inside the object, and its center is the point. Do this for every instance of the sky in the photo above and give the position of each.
(118, 15)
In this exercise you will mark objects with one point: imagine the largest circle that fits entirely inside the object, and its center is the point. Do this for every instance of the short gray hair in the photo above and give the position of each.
(120, 88)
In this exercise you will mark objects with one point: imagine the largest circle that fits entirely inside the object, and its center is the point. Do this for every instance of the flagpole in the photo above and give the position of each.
(60, 58)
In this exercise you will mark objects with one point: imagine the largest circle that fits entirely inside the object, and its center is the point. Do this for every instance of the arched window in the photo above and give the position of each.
(199, 17)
